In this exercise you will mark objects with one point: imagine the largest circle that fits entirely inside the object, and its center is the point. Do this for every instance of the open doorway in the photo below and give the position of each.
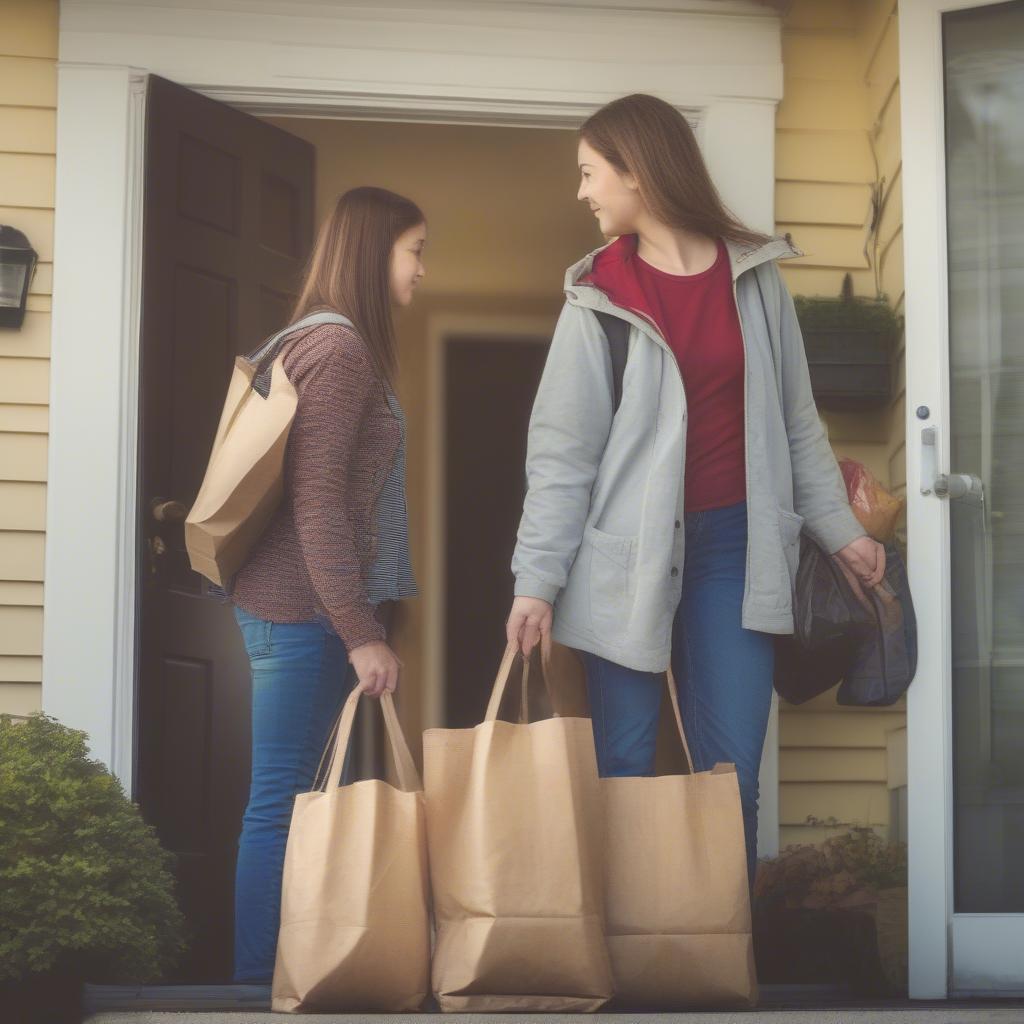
(489, 384)
(231, 205)
(503, 224)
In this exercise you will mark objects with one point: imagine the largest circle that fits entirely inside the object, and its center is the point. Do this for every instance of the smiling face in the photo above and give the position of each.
(611, 194)
(407, 268)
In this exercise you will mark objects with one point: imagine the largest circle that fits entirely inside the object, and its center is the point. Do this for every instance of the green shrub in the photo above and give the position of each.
(847, 312)
(844, 871)
(85, 888)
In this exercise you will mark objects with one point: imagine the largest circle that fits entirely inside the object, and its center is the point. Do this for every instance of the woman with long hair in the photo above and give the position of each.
(315, 595)
(665, 532)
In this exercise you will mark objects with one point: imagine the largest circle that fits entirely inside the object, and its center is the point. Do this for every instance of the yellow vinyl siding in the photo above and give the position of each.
(22, 505)
(838, 138)
(24, 419)
(21, 594)
(28, 102)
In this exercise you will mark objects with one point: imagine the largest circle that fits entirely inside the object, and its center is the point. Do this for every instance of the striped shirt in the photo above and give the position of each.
(337, 547)
(391, 577)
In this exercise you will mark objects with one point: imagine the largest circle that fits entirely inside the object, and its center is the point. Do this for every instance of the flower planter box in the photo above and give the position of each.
(849, 342)
(850, 369)
(833, 946)
(863, 948)
(50, 998)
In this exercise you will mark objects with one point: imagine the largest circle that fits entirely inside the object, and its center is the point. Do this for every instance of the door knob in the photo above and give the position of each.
(168, 511)
(964, 487)
(959, 486)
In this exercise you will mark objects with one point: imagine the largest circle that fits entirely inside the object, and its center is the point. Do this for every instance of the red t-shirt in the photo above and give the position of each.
(696, 314)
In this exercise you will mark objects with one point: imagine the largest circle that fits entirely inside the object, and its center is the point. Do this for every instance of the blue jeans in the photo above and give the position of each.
(300, 680)
(723, 672)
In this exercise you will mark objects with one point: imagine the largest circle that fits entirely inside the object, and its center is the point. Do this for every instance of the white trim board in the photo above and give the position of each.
(719, 63)
(508, 63)
(89, 618)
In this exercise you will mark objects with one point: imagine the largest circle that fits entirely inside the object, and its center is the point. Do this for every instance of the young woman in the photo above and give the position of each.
(667, 532)
(315, 594)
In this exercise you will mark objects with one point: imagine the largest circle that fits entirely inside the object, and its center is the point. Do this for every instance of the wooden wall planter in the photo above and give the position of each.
(849, 343)
(850, 369)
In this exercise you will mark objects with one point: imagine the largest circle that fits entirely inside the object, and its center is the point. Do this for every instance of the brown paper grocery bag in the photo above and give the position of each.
(515, 835)
(244, 478)
(355, 929)
(677, 901)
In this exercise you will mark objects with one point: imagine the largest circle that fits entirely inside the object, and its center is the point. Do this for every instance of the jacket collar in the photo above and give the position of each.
(742, 257)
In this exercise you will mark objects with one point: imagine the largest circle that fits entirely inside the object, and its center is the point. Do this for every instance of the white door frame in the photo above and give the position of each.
(392, 60)
(441, 328)
(944, 946)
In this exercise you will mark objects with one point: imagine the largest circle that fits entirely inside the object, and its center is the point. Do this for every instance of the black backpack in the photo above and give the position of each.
(616, 330)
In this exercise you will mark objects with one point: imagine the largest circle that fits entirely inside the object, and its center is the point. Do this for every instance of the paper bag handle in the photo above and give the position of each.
(267, 351)
(673, 696)
(341, 736)
(505, 670)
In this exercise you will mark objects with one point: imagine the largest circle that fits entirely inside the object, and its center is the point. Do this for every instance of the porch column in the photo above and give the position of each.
(89, 621)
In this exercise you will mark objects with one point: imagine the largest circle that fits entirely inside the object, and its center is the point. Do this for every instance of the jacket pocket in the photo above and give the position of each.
(790, 525)
(612, 564)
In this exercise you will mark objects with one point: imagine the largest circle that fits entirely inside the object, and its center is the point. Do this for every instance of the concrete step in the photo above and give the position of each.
(780, 1004)
(831, 1015)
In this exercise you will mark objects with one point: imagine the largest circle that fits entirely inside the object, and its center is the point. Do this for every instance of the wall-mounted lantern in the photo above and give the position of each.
(17, 266)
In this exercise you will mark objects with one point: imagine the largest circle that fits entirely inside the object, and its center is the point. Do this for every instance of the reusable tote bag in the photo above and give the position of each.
(244, 482)
(355, 929)
(515, 835)
(678, 928)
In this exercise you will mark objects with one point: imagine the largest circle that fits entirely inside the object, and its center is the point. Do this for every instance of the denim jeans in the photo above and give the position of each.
(723, 672)
(300, 679)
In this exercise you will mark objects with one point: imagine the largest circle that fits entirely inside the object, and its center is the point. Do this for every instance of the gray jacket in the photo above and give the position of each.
(601, 535)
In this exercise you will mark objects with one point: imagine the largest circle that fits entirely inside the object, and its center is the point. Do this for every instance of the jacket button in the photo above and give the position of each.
(678, 524)
(675, 571)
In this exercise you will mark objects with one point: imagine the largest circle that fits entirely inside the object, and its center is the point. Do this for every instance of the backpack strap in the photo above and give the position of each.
(263, 357)
(616, 331)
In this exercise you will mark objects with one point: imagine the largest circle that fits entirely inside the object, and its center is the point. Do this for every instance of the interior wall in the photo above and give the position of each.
(837, 162)
(28, 101)
(503, 224)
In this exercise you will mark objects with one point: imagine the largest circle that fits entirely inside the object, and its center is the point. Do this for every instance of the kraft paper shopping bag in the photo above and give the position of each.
(355, 929)
(515, 837)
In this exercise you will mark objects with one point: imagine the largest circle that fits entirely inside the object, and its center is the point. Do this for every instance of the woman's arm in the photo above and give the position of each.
(819, 493)
(336, 383)
(569, 427)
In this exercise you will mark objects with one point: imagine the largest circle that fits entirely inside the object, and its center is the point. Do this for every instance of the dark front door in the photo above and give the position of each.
(228, 224)
(490, 386)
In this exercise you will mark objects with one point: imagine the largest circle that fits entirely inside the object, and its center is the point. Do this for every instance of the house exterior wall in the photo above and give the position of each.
(28, 102)
(837, 156)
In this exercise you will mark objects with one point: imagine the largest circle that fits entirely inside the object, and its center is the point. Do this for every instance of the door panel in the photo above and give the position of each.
(228, 222)
(983, 52)
(962, 85)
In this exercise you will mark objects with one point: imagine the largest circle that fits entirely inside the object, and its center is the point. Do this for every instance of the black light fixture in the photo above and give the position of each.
(17, 266)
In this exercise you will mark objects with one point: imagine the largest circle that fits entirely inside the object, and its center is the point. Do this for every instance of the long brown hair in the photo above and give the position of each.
(648, 138)
(349, 269)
